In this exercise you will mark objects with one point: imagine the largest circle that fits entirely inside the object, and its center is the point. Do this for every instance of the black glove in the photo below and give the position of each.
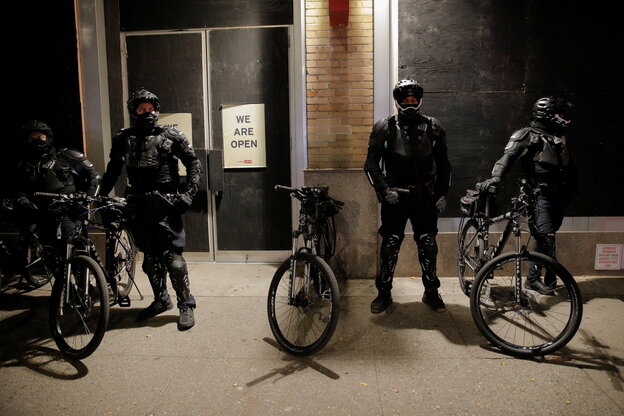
(485, 185)
(26, 205)
(183, 201)
(391, 196)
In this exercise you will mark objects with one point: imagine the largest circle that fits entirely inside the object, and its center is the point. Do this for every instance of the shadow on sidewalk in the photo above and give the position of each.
(294, 364)
(27, 340)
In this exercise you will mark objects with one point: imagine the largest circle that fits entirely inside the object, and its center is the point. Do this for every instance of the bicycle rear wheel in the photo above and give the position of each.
(79, 311)
(304, 323)
(472, 252)
(535, 324)
(123, 257)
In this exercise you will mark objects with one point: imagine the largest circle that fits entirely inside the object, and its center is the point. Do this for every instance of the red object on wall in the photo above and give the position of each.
(338, 12)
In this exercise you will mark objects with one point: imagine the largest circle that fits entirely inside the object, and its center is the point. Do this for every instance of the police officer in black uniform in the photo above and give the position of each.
(44, 168)
(150, 154)
(413, 153)
(546, 163)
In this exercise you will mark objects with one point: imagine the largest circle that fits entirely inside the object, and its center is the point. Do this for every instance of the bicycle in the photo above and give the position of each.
(303, 301)
(85, 287)
(515, 319)
(25, 259)
(120, 247)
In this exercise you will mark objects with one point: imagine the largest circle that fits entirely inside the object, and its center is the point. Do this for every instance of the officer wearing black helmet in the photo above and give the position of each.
(408, 151)
(45, 168)
(546, 163)
(150, 154)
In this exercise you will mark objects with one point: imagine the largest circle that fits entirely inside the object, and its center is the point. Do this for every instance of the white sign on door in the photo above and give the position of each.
(244, 143)
(182, 122)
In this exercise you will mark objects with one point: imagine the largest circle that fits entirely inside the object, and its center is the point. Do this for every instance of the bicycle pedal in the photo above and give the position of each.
(123, 301)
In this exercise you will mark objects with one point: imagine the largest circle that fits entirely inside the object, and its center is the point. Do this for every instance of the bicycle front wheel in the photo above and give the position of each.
(79, 310)
(123, 257)
(35, 271)
(521, 321)
(472, 252)
(303, 319)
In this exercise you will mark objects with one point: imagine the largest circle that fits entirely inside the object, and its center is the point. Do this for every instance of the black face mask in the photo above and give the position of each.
(409, 113)
(38, 147)
(146, 120)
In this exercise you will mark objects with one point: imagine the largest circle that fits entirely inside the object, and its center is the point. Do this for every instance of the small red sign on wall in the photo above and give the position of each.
(338, 12)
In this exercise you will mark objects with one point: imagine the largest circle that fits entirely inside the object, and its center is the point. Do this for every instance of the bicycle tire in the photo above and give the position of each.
(307, 326)
(35, 272)
(539, 324)
(471, 254)
(79, 324)
(123, 253)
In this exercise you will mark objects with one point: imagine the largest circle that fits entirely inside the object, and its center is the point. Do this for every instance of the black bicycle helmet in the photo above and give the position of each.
(142, 96)
(146, 120)
(37, 146)
(407, 88)
(552, 110)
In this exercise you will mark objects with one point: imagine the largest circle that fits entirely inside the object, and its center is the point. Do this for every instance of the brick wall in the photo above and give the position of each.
(339, 85)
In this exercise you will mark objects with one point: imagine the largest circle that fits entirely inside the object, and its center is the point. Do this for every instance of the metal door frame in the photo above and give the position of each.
(296, 168)
(297, 130)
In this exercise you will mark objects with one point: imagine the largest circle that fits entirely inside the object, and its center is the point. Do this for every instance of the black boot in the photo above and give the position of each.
(176, 265)
(157, 276)
(381, 302)
(539, 286)
(534, 281)
(186, 320)
(434, 300)
(157, 307)
(545, 244)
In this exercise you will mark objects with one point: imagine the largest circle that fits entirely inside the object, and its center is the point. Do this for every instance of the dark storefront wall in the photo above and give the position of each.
(484, 63)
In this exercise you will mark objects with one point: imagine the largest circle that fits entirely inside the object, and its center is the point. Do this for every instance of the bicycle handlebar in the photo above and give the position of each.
(81, 196)
(285, 188)
(300, 192)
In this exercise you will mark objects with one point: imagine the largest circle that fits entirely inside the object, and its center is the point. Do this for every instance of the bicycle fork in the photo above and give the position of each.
(518, 262)
(292, 296)
(82, 285)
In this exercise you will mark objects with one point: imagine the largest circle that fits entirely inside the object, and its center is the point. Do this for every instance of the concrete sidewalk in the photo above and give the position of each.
(408, 361)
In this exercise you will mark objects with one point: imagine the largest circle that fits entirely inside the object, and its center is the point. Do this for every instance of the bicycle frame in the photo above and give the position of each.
(513, 226)
(520, 207)
(309, 229)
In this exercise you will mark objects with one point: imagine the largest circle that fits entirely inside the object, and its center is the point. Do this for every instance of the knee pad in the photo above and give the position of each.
(389, 254)
(427, 253)
(151, 265)
(427, 245)
(156, 275)
(175, 263)
(390, 245)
